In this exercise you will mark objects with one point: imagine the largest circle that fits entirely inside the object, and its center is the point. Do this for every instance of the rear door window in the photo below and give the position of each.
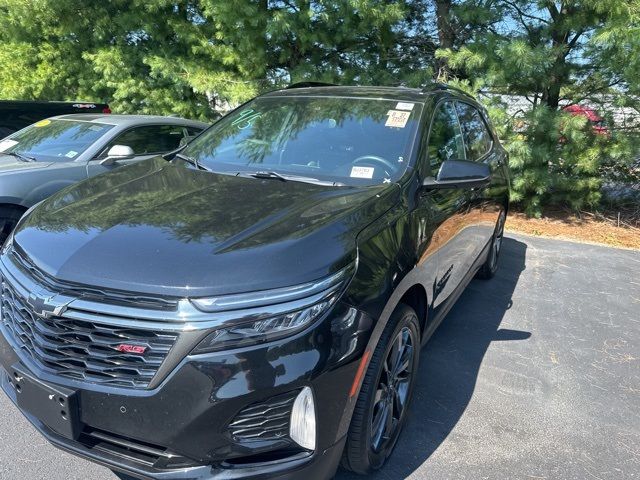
(477, 139)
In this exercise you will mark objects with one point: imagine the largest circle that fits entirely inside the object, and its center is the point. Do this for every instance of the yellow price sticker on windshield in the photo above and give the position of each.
(42, 123)
(397, 118)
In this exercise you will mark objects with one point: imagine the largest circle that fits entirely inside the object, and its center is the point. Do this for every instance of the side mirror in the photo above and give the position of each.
(118, 152)
(459, 174)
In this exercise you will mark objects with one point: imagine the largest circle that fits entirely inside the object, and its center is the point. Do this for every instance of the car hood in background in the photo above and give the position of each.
(166, 228)
(9, 163)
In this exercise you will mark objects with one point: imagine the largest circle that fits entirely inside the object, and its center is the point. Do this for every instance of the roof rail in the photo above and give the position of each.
(444, 86)
(310, 85)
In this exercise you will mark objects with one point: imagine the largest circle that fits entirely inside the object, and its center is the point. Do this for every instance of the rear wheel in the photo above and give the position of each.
(490, 266)
(9, 216)
(382, 406)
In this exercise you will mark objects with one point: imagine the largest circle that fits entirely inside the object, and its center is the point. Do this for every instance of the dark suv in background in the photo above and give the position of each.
(254, 306)
(17, 114)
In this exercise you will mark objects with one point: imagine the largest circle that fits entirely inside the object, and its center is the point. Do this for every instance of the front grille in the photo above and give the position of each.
(80, 343)
(268, 420)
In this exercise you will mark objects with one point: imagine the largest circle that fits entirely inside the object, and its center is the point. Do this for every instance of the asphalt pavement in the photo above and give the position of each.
(533, 375)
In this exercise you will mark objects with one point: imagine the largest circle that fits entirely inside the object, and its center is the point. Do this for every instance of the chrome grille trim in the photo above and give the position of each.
(100, 296)
(180, 317)
(184, 317)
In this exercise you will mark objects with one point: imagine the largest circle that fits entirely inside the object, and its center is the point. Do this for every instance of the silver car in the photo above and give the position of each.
(42, 158)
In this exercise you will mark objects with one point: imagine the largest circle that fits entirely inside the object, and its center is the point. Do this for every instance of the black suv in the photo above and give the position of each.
(17, 114)
(254, 305)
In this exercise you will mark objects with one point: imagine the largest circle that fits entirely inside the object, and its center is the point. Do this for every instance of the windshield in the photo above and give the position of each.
(343, 140)
(54, 140)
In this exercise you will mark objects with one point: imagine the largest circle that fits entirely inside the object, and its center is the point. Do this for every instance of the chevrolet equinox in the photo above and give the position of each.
(253, 305)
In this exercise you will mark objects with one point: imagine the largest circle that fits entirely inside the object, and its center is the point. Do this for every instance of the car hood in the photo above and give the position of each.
(9, 163)
(166, 228)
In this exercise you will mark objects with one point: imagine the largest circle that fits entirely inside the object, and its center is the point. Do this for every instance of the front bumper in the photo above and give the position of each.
(181, 428)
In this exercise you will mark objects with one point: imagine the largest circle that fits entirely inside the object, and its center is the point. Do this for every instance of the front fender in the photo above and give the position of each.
(41, 192)
(388, 267)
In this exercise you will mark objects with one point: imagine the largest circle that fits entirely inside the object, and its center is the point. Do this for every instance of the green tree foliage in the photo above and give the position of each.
(163, 56)
(185, 56)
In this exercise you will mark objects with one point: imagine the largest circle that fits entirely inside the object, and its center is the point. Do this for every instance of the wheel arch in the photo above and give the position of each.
(410, 291)
(416, 298)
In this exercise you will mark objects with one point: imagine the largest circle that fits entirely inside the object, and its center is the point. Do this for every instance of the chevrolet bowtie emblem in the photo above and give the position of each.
(46, 307)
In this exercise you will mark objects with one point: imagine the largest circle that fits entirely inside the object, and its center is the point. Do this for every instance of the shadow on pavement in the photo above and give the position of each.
(450, 362)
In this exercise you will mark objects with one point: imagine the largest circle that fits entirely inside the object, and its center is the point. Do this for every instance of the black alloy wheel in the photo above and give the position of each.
(383, 403)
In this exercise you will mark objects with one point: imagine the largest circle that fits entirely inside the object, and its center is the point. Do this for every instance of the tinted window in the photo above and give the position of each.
(151, 139)
(345, 140)
(55, 140)
(476, 135)
(445, 139)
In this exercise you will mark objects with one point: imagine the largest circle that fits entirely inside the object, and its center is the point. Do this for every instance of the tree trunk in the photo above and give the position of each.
(559, 74)
(446, 35)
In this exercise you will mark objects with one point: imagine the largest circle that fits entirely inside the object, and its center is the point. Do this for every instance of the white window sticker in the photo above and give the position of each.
(95, 128)
(362, 172)
(71, 154)
(404, 106)
(7, 144)
(397, 118)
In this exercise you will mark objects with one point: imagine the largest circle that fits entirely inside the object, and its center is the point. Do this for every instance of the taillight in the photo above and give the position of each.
(106, 110)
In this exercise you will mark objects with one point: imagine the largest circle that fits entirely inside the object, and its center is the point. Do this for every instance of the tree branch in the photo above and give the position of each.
(522, 14)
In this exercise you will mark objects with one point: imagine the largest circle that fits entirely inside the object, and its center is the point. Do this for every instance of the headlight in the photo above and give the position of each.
(259, 317)
(263, 330)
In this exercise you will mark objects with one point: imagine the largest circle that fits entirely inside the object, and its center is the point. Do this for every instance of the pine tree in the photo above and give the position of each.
(557, 53)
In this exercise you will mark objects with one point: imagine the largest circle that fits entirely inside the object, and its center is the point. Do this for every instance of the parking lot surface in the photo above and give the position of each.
(534, 375)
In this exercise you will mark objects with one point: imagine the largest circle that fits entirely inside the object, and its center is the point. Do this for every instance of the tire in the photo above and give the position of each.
(9, 216)
(366, 450)
(490, 266)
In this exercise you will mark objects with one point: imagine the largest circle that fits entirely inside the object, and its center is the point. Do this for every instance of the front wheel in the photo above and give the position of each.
(387, 388)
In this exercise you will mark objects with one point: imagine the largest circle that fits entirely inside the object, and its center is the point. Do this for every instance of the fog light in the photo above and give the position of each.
(302, 429)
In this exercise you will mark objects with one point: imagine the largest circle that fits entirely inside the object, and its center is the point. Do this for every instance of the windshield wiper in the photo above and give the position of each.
(192, 161)
(293, 178)
(275, 175)
(22, 157)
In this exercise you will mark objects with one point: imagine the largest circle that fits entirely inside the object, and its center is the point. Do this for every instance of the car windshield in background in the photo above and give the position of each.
(54, 140)
(342, 140)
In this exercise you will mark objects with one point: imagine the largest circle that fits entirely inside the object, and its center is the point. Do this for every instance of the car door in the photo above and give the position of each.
(147, 141)
(449, 208)
(480, 146)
